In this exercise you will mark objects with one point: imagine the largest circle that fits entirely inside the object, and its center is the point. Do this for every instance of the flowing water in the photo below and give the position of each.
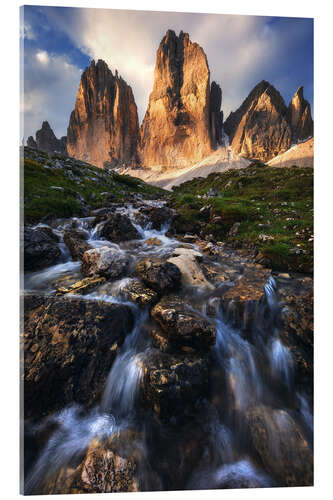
(247, 372)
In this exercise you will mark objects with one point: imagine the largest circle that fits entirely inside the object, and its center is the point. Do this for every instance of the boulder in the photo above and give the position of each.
(69, 347)
(157, 216)
(242, 301)
(183, 447)
(139, 294)
(297, 328)
(101, 471)
(40, 249)
(160, 276)
(119, 228)
(186, 261)
(153, 242)
(76, 242)
(104, 261)
(49, 232)
(83, 286)
(281, 446)
(173, 385)
(182, 325)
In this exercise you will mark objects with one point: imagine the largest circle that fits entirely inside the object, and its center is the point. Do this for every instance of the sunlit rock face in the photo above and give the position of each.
(178, 129)
(103, 127)
(299, 114)
(260, 129)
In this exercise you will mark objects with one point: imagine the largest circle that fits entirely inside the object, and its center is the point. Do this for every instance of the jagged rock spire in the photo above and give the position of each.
(47, 141)
(299, 114)
(179, 127)
(259, 128)
(103, 127)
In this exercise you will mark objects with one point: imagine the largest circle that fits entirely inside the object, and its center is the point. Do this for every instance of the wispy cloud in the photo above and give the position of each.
(50, 86)
(27, 32)
(241, 50)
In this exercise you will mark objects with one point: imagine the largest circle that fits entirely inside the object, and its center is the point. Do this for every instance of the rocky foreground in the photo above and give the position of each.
(158, 359)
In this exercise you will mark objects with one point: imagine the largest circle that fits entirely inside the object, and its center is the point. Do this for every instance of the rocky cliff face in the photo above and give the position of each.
(31, 143)
(181, 123)
(216, 115)
(299, 115)
(103, 127)
(260, 129)
(47, 141)
(263, 127)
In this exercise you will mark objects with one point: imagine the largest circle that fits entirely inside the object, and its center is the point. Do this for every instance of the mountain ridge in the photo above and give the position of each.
(183, 124)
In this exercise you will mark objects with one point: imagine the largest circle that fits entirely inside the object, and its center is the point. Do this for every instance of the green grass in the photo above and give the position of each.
(40, 200)
(281, 199)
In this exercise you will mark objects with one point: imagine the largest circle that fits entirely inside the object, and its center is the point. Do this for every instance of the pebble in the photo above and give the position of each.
(284, 275)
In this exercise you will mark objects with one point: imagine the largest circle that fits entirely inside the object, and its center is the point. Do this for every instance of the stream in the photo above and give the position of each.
(248, 374)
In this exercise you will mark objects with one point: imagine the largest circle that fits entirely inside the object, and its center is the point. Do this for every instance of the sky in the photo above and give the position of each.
(58, 43)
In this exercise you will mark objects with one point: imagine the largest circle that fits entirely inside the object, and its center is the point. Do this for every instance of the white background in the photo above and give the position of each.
(9, 230)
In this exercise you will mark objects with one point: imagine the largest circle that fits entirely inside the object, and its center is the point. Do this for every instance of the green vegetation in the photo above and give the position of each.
(68, 191)
(274, 207)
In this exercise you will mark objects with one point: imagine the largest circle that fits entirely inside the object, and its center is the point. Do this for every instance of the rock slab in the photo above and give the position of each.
(69, 346)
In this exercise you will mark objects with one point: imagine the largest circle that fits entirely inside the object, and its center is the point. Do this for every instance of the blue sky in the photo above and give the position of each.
(59, 42)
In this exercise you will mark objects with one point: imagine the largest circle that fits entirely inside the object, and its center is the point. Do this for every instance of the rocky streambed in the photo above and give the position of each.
(159, 362)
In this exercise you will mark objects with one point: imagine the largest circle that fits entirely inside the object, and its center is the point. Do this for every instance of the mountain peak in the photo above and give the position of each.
(299, 115)
(46, 126)
(177, 128)
(103, 127)
(259, 129)
(299, 92)
(47, 141)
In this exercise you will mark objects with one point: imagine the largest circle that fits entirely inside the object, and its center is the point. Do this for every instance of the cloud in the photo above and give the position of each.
(50, 86)
(43, 57)
(26, 31)
(241, 50)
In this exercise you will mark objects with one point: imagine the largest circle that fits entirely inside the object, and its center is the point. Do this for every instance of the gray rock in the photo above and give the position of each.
(104, 261)
(234, 230)
(160, 276)
(119, 228)
(212, 192)
(40, 249)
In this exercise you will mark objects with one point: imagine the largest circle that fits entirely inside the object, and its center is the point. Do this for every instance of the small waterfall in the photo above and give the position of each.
(281, 362)
(44, 280)
(241, 474)
(306, 414)
(122, 386)
(124, 379)
(237, 357)
(222, 441)
(96, 231)
(76, 429)
(270, 293)
(251, 364)
(73, 434)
